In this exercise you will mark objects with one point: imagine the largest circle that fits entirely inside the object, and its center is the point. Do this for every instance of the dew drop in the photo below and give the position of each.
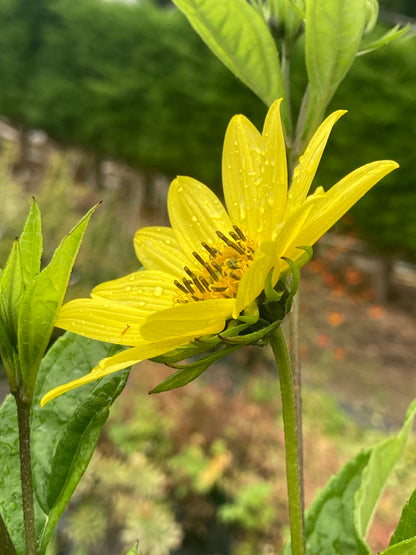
(142, 303)
(158, 291)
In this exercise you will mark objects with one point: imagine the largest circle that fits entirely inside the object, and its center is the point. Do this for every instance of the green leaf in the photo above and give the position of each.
(65, 432)
(41, 302)
(134, 550)
(383, 458)
(11, 292)
(388, 37)
(333, 33)
(407, 547)
(406, 528)
(338, 519)
(31, 244)
(191, 371)
(240, 38)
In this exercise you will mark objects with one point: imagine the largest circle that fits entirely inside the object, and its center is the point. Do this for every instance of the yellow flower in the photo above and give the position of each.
(211, 265)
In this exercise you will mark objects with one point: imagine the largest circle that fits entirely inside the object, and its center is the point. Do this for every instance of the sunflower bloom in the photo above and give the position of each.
(211, 265)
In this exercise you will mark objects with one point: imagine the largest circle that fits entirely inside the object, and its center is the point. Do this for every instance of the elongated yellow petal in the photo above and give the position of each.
(275, 165)
(308, 163)
(158, 249)
(103, 320)
(192, 319)
(113, 364)
(196, 214)
(148, 289)
(242, 174)
(340, 198)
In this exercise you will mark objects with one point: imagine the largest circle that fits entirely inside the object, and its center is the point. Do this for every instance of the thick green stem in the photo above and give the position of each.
(23, 416)
(294, 479)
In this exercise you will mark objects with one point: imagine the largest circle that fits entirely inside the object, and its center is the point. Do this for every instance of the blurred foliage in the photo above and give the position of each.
(202, 449)
(134, 82)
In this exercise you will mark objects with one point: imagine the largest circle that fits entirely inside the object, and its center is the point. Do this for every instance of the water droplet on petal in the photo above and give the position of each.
(142, 303)
(158, 291)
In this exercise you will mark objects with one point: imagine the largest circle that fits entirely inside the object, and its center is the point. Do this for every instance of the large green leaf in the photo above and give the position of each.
(64, 435)
(239, 36)
(406, 547)
(65, 431)
(333, 33)
(41, 302)
(338, 519)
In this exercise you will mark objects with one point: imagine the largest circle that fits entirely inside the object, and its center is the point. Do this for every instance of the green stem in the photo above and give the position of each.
(23, 417)
(294, 479)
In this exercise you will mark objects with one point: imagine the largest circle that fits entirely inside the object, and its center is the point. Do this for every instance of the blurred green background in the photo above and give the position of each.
(124, 96)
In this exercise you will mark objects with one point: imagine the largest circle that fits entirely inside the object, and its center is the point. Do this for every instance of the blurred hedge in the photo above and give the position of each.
(134, 82)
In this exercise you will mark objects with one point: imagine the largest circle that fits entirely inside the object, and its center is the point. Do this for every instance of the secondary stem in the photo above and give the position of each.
(294, 479)
(23, 416)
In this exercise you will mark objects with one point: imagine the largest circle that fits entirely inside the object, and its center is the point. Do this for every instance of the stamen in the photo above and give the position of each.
(234, 276)
(199, 284)
(229, 242)
(205, 265)
(180, 286)
(213, 288)
(240, 233)
(188, 284)
(212, 251)
(232, 264)
(216, 266)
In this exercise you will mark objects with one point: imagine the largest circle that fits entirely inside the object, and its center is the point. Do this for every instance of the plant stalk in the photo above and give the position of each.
(293, 474)
(23, 416)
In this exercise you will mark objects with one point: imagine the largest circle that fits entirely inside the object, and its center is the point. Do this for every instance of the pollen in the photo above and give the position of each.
(220, 270)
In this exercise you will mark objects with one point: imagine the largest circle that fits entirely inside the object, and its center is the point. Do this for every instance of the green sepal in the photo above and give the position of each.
(251, 338)
(392, 34)
(189, 372)
(41, 302)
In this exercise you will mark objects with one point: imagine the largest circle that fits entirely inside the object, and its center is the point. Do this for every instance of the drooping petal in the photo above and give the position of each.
(340, 198)
(196, 214)
(117, 362)
(252, 282)
(149, 290)
(103, 320)
(308, 163)
(191, 319)
(158, 249)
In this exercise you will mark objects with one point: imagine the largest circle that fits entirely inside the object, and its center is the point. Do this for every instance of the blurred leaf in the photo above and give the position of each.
(338, 519)
(389, 36)
(333, 33)
(31, 244)
(406, 528)
(41, 302)
(65, 432)
(134, 550)
(406, 547)
(241, 39)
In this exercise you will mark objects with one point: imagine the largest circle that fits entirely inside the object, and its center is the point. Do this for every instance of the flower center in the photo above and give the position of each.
(220, 271)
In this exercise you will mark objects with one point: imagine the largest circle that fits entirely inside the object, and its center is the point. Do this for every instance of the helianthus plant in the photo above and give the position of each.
(217, 268)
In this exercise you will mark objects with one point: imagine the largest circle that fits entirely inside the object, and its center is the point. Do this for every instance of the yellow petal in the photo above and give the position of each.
(252, 282)
(242, 174)
(103, 320)
(192, 319)
(149, 290)
(308, 163)
(275, 163)
(117, 362)
(158, 249)
(196, 214)
(340, 198)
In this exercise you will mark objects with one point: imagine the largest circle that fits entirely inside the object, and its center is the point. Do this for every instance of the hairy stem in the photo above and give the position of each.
(23, 416)
(294, 479)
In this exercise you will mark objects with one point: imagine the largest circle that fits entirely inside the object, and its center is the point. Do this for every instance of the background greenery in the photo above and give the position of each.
(134, 82)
